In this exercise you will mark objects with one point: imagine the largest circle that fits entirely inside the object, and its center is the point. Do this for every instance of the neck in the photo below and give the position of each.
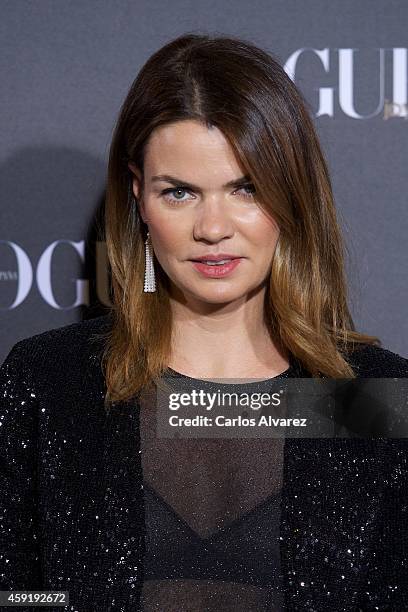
(227, 340)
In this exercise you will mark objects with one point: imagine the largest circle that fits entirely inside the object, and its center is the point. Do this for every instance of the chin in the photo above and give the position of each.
(218, 295)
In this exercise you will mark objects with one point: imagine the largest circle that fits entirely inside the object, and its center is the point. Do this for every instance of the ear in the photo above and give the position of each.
(137, 186)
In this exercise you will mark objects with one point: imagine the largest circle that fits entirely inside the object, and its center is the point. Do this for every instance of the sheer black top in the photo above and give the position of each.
(212, 509)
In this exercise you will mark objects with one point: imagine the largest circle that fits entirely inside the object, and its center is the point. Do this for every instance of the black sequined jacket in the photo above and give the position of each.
(71, 514)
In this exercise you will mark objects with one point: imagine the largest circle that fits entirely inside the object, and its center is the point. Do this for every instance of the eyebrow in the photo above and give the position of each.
(179, 182)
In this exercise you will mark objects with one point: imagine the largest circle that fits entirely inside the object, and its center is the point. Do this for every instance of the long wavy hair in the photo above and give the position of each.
(232, 84)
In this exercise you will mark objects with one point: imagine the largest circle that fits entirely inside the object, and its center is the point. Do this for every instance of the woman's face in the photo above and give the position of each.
(196, 203)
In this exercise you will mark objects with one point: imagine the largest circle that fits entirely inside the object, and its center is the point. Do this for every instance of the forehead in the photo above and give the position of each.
(191, 150)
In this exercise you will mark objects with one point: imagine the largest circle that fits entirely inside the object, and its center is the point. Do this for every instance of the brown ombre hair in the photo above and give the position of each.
(231, 84)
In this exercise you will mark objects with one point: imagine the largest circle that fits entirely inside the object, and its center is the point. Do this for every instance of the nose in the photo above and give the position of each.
(213, 221)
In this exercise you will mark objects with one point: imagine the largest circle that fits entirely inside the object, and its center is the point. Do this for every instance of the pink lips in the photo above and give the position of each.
(215, 257)
(216, 271)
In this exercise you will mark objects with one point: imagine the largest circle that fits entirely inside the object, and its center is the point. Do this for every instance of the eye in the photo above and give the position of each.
(175, 190)
(247, 191)
(251, 193)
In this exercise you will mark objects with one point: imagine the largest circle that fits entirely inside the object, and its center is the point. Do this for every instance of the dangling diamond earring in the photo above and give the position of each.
(149, 279)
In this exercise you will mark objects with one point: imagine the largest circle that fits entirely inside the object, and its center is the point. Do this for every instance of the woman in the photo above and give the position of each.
(227, 262)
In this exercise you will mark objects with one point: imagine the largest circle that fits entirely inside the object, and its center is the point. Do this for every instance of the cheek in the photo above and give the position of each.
(168, 237)
(257, 225)
(264, 233)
